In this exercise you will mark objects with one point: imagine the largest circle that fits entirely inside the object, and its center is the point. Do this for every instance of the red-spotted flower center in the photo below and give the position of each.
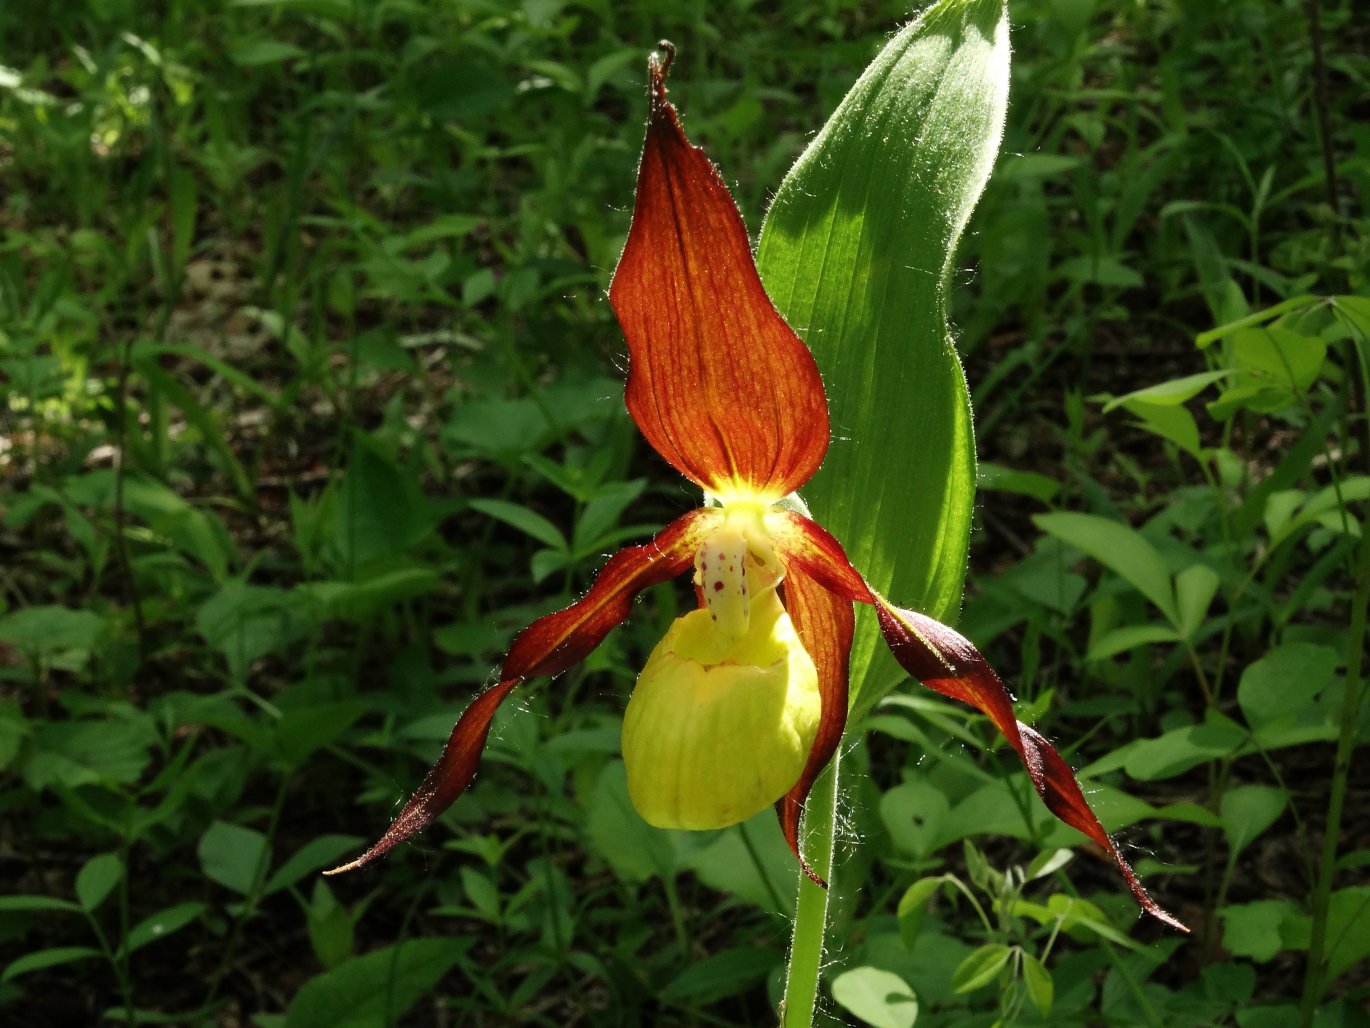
(738, 550)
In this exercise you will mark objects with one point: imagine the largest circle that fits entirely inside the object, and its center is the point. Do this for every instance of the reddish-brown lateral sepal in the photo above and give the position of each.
(946, 661)
(553, 643)
(548, 646)
(446, 780)
(824, 622)
(718, 383)
(807, 546)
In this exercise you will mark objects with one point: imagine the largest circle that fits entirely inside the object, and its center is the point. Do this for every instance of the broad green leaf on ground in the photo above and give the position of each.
(253, 53)
(1170, 393)
(912, 906)
(481, 893)
(1294, 303)
(245, 622)
(518, 516)
(1121, 549)
(1129, 637)
(302, 731)
(97, 877)
(633, 848)
(1195, 588)
(70, 754)
(26, 904)
(721, 975)
(750, 862)
(1012, 480)
(855, 252)
(1170, 422)
(376, 989)
(160, 925)
(361, 601)
(880, 998)
(1247, 811)
(233, 856)
(1179, 749)
(1284, 681)
(1289, 511)
(195, 533)
(45, 958)
(44, 632)
(1253, 929)
(382, 510)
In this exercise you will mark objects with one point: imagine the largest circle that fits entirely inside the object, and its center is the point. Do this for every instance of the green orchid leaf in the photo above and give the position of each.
(856, 253)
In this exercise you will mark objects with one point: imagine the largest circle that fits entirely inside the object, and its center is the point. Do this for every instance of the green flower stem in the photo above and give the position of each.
(811, 909)
(1314, 984)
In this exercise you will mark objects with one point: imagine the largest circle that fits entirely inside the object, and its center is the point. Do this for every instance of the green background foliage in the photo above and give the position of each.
(312, 400)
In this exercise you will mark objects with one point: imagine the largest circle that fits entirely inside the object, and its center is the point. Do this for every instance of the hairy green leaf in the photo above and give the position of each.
(856, 252)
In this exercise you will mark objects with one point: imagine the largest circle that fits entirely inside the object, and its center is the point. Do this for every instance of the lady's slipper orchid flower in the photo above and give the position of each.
(744, 701)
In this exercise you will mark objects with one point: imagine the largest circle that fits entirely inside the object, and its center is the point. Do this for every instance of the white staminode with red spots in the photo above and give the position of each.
(722, 565)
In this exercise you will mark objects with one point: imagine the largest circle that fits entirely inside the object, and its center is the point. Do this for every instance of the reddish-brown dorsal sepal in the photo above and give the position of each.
(718, 383)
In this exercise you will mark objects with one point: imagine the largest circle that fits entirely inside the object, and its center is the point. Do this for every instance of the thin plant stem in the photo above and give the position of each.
(811, 909)
(760, 867)
(1313, 983)
(1322, 103)
(121, 420)
(124, 960)
(118, 961)
(961, 887)
(253, 897)
(682, 939)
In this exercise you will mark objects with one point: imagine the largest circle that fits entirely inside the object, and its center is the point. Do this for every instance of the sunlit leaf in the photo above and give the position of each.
(1039, 985)
(912, 905)
(878, 997)
(1121, 549)
(981, 967)
(855, 252)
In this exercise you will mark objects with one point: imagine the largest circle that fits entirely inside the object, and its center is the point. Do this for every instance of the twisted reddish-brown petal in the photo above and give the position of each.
(548, 646)
(824, 622)
(718, 383)
(946, 661)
